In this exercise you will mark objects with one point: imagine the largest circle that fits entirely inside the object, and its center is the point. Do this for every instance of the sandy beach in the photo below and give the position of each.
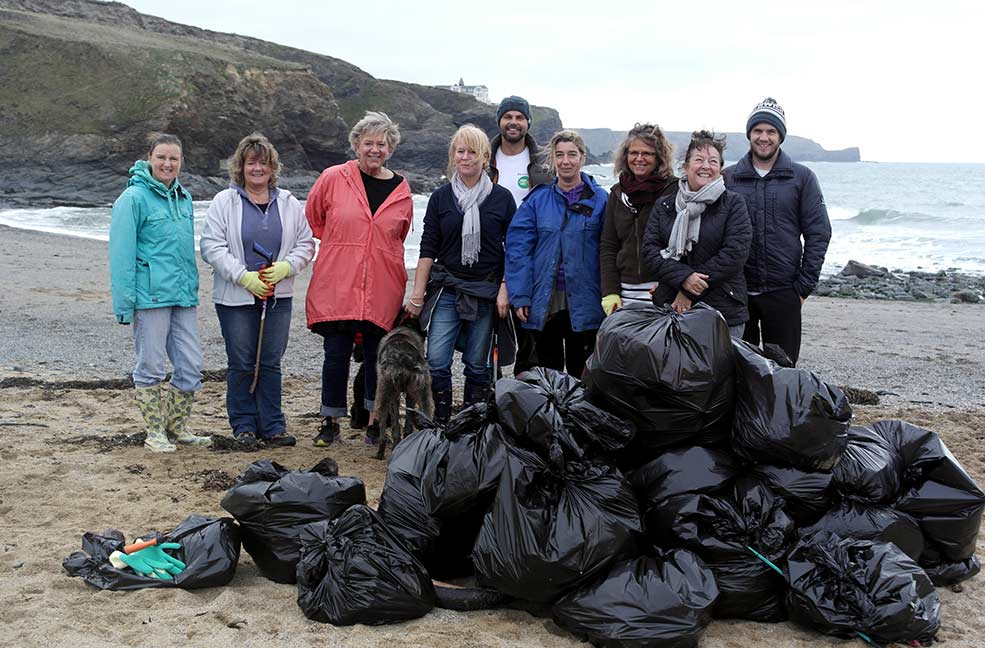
(926, 360)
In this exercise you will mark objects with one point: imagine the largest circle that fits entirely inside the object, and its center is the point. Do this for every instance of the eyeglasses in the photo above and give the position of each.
(646, 155)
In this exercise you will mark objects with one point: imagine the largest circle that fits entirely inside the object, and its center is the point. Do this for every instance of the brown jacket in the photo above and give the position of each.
(622, 239)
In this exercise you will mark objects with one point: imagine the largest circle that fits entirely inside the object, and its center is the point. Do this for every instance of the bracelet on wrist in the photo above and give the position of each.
(414, 304)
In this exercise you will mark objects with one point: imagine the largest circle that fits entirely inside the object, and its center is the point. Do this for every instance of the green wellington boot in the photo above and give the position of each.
(178, 409)
(150, 404)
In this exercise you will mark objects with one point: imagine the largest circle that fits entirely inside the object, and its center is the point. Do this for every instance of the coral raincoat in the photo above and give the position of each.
(359, 271)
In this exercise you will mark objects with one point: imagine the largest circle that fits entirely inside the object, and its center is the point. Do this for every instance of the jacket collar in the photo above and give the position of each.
(350, 171)
(782, 167)
(588, 189)
(528, 140)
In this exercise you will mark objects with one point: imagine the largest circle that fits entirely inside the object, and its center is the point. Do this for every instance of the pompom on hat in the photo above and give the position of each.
(513, 102)
(770, 112)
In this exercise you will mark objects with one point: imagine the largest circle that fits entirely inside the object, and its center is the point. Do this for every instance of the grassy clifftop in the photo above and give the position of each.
(82, 82)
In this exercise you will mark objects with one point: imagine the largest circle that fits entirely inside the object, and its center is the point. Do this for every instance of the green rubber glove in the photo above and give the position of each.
(252, 282)
(275, 272)
(610, 303)
(153, 562)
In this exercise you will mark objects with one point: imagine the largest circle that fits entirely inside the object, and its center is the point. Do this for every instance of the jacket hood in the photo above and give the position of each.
(589, 181)
(140, 175)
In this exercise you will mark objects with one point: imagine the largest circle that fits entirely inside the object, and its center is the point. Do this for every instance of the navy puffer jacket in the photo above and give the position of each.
(783, 206)
(720, 253)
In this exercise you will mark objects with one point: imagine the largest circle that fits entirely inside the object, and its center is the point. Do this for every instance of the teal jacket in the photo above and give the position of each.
(152, 246)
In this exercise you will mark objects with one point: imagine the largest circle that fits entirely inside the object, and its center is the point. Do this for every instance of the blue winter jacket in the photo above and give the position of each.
(152, 246)
(543, 231)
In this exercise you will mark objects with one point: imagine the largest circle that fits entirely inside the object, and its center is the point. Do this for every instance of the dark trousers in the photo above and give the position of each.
(526, 357)
(335, 371)
(560, 348)
(775, 317)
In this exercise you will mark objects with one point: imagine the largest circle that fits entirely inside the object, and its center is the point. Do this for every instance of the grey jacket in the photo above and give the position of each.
(222, 245)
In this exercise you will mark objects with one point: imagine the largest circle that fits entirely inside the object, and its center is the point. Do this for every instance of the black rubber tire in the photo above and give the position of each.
(467, 599)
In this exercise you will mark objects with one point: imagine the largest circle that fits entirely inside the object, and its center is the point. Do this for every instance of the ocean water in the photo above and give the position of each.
(903, 216)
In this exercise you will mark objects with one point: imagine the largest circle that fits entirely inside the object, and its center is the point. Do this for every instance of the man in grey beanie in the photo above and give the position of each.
(786, 207)
(516, 164)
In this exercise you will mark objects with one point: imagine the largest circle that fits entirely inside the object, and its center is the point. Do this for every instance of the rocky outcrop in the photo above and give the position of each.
(602, 141)
(83, 82)
(861, 281)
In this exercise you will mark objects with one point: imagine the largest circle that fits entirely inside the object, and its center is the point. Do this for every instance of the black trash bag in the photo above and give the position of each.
(663, 601)
(444, 545)
(723, 530)
(669, 375)
(943, 574)
(679, 472)
(872, 522)
(547, 407)
(463, 471)
(807, 493)
(353, 569)
(871, 468)
(842, 586)
(936, 491)
(789, 415)
(209, 548)
(272, 504)
(550, 530)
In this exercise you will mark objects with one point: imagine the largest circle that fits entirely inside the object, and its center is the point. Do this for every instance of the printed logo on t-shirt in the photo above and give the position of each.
(523, 182)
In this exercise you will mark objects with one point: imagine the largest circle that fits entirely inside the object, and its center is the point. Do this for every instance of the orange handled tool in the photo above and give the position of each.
(143, 544)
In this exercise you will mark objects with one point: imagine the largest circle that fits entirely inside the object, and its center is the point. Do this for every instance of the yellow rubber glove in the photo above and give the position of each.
(275, 272)
(252, 282)
(610, 303)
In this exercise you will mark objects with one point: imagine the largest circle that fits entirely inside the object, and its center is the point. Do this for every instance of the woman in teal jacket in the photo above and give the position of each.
(154, 281)
(552, 260)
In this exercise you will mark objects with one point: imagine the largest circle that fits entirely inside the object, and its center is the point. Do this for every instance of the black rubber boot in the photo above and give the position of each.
(442, 405)
(474, 393)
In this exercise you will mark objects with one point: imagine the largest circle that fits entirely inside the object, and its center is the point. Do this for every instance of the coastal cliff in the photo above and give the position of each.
(602, 141)
(82, 82)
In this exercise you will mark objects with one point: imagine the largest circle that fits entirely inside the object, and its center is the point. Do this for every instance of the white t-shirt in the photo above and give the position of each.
(513, 173)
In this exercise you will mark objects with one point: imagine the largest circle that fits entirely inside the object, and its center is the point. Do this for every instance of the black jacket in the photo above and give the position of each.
(720, 253)
(538, 171)
(783, 206)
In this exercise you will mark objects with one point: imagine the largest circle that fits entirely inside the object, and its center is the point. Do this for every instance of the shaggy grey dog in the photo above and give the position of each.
(401, 368)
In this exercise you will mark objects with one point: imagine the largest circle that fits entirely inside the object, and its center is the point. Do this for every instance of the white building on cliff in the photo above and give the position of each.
(480, 92)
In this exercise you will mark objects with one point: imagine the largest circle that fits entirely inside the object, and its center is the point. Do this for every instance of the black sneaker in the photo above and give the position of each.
(328, 433)
(282, 440)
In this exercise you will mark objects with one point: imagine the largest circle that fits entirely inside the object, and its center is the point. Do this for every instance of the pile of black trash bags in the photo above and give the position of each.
(688, 478)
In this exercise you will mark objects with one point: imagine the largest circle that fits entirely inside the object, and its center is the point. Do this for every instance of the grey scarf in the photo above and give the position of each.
(690, 205)
(469, 199)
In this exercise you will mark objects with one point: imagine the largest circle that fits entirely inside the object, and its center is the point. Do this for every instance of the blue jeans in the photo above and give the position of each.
(259, 412)
(335, 371)
(168, 333)
(444, 330)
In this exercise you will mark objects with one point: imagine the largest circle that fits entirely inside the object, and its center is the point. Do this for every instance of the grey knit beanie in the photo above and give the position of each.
(770, 112)
(513, 102)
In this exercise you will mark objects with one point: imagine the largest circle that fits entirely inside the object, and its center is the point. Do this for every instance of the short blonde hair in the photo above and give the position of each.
(255, 144)
(375, 122)
(473, 137)
(565, 136)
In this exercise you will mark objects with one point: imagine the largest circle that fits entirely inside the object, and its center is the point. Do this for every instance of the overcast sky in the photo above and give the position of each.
(901, 80)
